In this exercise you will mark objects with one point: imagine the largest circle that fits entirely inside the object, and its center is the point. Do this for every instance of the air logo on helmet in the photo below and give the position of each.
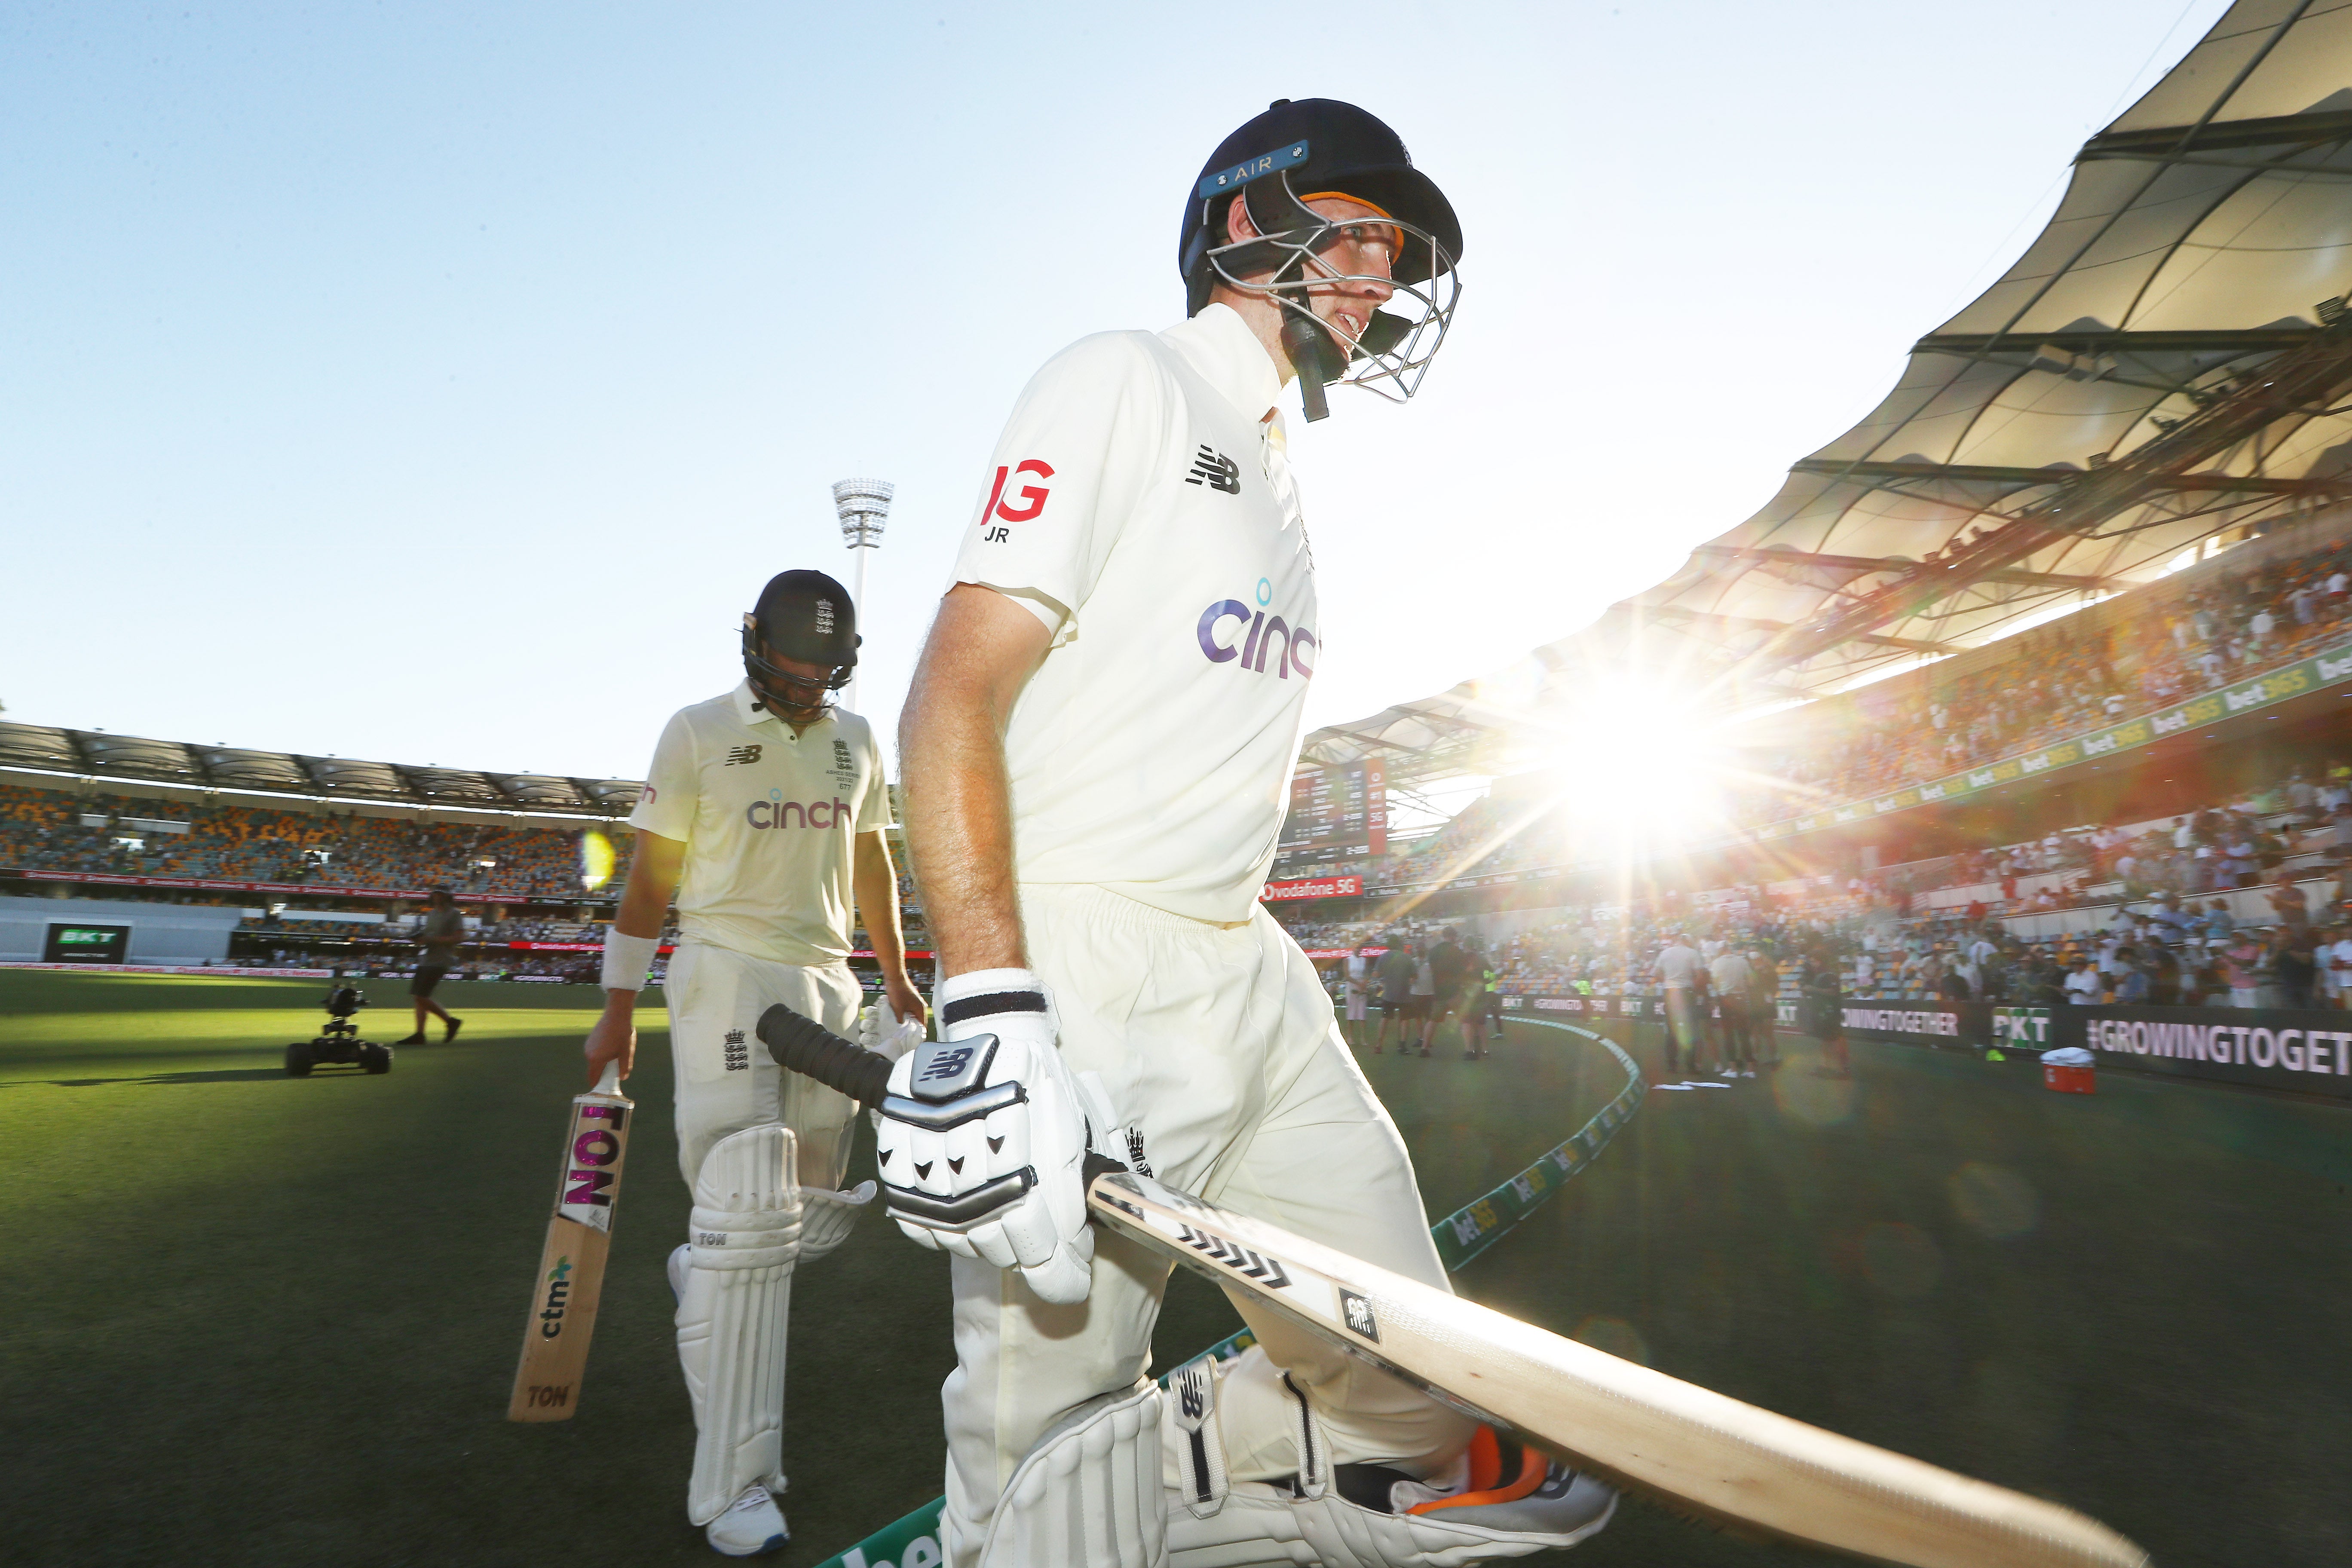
(1000, 505)
(1249, 169)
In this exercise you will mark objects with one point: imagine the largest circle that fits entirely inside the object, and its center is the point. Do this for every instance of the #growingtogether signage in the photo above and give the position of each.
(2308, 1052)
(2308, 675)
(2272, 1046)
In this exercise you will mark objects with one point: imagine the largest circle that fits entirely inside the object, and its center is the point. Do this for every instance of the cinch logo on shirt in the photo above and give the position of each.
(1253, 632)
(792, 813)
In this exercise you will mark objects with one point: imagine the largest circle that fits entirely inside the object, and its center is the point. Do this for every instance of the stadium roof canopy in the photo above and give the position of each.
(2169, 360)
(91, 754)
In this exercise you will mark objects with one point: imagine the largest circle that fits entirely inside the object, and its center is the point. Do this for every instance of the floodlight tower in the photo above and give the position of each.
(863, 505)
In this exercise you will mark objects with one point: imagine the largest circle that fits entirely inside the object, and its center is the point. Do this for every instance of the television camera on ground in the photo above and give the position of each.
(339, 1040)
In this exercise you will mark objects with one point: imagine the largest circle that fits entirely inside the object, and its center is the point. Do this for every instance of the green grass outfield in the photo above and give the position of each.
(257, 1320)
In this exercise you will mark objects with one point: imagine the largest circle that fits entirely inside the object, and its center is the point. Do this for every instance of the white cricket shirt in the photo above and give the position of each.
(768, 819)
(1138, 504)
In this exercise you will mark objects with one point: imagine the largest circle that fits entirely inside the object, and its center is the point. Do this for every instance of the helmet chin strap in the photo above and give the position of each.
(1313, 354)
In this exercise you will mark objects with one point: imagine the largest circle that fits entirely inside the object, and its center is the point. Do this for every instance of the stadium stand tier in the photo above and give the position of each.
(322, 877)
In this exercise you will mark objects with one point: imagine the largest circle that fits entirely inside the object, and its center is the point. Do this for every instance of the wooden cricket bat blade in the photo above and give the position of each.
(1694, 1450)
(570, 1283)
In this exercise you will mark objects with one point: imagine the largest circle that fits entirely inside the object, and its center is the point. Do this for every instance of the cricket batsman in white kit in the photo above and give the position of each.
(1098, 751)
(764, 813)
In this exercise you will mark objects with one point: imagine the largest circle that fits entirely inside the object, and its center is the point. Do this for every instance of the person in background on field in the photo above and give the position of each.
(1764, 1006)
(1821, 1013)
(1354, 979)
(438, 937)
(1482, 995)
(1677, 971)
(1449, 970)
(1732, 980)
(1418, 1001)
(1395, 977)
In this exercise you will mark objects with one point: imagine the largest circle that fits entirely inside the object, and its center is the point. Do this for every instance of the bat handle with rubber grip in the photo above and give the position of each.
(803, 1046)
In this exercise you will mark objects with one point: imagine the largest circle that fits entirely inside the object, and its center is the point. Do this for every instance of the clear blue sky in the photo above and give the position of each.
(438, 384)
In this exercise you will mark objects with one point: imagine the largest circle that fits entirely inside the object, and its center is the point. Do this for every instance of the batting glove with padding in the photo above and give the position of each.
(983, 1136)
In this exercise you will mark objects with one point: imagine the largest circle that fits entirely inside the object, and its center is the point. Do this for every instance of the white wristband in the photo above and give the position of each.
(626, 959)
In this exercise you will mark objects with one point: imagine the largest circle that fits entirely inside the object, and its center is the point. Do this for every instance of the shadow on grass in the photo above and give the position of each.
(226, 1075)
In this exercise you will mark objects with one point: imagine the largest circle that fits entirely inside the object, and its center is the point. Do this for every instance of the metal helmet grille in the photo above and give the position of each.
(863, 505)
(1406, 330)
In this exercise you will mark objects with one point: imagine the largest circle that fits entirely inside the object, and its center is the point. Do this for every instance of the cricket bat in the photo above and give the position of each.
(1696, 1451)
(571, 1278)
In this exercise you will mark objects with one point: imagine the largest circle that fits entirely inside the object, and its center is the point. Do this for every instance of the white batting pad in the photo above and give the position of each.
(1216, 1523)
(1088, 1492)
(742, 1239)
(827, 1217)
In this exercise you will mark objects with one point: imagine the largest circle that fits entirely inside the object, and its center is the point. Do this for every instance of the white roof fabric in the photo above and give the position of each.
(2169, 358)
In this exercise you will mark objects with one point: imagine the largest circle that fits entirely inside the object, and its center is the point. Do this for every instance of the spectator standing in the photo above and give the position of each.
(2082, 985)
(2236, 966)
(2288, 903)
(438, 937)
(2291, 967)
(2336, 965)
(2131, 980)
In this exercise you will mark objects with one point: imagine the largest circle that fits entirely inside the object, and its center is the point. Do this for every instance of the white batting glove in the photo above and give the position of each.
(878, 1029)
(983, 1134)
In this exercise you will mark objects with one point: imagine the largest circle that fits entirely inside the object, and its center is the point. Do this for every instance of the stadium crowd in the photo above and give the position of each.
(2078, 673)
(43, 830)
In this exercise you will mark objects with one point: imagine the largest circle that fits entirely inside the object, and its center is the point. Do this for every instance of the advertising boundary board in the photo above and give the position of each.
(2296, 1051)
(913, 1542)
(2300, 1051)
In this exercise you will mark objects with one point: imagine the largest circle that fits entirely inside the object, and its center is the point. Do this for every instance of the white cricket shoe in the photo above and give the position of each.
(752, 1524)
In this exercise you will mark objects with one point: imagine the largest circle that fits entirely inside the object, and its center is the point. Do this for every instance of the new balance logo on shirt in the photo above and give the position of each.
(743, 754)
(1217, 471)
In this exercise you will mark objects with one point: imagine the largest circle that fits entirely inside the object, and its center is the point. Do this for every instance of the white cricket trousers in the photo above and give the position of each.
(726, 1080)
(1216, 1042)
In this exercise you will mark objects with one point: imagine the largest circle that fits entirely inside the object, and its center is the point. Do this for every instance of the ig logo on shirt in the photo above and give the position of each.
(1000, 505)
